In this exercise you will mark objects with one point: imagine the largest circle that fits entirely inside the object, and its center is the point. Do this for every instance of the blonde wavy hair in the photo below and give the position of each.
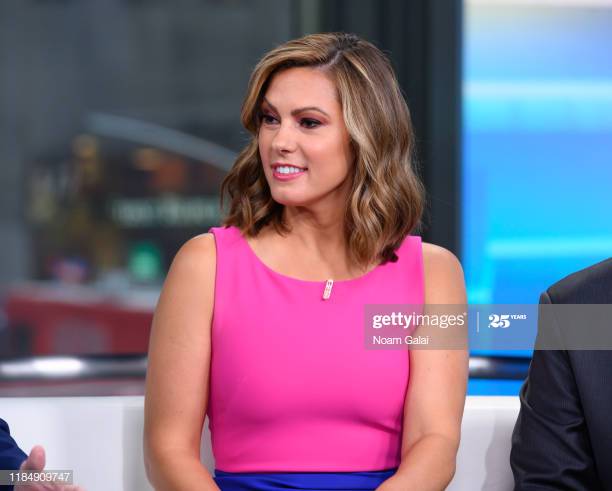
(386, 199)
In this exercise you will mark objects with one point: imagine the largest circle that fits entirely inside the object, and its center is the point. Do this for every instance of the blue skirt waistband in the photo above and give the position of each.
(310, 481)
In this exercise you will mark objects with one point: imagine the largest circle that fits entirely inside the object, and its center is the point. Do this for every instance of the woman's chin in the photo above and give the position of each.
(289, 199)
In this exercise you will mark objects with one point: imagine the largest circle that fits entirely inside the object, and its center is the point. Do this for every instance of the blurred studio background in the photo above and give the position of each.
(119, 119)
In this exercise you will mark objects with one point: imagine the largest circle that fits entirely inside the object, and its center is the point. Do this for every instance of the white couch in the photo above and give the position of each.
(100, 439)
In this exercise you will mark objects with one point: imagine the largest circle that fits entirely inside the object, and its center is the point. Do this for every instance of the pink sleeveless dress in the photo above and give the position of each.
(292, 387)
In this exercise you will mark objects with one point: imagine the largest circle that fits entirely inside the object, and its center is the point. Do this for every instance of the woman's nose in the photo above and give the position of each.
(284, 139)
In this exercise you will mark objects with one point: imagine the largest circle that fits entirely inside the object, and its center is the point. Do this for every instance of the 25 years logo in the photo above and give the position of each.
(502, 321)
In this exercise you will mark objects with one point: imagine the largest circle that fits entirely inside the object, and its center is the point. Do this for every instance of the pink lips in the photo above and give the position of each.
(286, 177)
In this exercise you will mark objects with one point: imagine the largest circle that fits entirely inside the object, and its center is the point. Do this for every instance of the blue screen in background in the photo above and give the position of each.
(537, 145)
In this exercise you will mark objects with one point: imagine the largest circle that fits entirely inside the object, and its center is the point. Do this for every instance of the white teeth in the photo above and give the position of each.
(288, 170)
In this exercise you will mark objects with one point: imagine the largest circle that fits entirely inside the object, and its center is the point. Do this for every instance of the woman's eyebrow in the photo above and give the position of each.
(298, 110)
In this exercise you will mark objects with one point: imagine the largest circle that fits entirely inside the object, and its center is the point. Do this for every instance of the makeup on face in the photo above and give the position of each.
(303, 142)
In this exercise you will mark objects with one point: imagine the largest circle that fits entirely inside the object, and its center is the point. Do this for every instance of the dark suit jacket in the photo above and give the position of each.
(563, 435)
(11, 455)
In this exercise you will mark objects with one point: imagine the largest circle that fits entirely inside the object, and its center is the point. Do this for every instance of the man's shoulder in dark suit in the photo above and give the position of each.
(589, 286)
(11, 456)
(562, 438)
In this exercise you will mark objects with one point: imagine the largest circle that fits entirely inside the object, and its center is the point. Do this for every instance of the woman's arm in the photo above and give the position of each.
(436, 391)
(178, 371)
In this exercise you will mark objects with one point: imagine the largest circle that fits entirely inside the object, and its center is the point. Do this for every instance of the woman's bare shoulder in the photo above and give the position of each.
(196, 257)
(203, 242)
(444, 282)
(439, 257)
(188, 290)
(199, 248)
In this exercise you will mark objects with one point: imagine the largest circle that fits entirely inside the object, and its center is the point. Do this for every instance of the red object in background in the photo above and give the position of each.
(77, 320)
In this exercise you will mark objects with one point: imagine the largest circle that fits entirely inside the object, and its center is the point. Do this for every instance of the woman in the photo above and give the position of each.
(260, 324)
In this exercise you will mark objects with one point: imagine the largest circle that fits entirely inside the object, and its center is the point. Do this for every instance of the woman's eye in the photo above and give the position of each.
(266, 118)
(310, 123)
(307, 123)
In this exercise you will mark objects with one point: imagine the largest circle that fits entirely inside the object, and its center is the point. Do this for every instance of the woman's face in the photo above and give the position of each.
(302, 126)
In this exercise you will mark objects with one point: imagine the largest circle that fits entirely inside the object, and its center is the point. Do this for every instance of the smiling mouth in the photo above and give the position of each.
(280, 170)
(287, 173)
(287, 166)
